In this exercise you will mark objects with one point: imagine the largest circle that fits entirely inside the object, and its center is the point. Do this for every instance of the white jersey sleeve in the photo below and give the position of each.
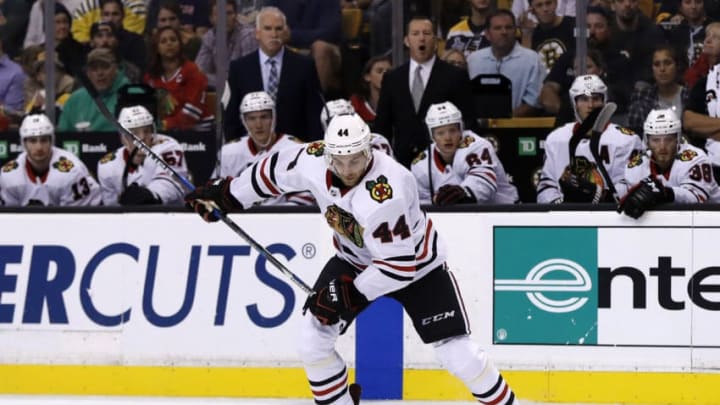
(379, 142)
(556, 159)
(79, 188)
(110, 171)
(623, 145)
(10, 192)
(694, 181)
(232, 158)
(420, 171)
(482, 172)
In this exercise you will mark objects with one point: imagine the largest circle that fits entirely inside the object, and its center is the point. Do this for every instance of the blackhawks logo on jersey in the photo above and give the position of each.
(345, 224)
(10, 166)
(64, 164)
(316, 148)
(635, 161)
(419, 157)
(379, 189)
(687, 155)
(466, 141)
(623, 130)
(109, 157)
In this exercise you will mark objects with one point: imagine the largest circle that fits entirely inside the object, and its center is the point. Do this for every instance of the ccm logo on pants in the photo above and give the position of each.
(438, 317)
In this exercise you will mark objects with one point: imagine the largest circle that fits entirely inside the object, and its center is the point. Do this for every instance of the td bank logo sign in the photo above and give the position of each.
(545, 285)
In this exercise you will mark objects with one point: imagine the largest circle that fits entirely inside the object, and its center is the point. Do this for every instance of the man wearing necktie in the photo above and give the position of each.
(410, 89)
(289, 78)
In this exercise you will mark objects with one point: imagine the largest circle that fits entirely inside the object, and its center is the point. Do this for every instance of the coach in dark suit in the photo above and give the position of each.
(410, 89)
(290, 78)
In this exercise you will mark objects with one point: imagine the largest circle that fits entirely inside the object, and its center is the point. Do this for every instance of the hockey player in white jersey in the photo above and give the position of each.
(384, 246)
(670, 171)
(343, 106)
(257, 113)
(576, 178)
(44, 174)
(128, 177)
(459, 166)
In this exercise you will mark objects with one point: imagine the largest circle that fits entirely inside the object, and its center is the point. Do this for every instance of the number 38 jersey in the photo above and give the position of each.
(67, 182)
(378, 225)
(475, 167)
(690, 176)
(149, 174)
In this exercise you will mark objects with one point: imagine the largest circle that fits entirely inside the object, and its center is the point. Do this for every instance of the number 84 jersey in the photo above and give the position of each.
(690, 175)
(378, 225)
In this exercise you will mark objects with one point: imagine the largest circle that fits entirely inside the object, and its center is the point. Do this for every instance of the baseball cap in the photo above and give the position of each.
(100, 26)
(101, 56)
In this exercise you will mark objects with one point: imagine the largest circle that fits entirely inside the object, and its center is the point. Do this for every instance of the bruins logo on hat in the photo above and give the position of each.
(687, 155)
(419, 157)
(64, 164)
(635, 160)
(109, 157)
(316, 148)
(10, 166)
(379, 189)
(466, 141)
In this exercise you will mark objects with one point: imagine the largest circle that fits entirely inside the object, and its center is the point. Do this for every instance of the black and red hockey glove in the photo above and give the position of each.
(338, 298)
(644, 196)
(450, 194)
(215, 194)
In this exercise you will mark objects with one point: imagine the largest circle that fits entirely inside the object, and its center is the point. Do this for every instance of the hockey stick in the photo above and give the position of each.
(222, 216)
(600, 123)
(579, 133)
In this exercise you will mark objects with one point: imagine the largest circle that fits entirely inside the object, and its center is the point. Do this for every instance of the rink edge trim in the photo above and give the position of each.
(547, 386)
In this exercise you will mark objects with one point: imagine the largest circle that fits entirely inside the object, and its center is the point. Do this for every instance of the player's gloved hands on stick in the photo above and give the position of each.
(135, 194)
(215, 194)
(450, 194)
(337, 298)
(579, 189)
(645, 195)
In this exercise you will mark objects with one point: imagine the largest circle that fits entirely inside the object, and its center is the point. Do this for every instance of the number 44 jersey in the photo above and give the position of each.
(690, 175)
(66, 183)
(378, 225)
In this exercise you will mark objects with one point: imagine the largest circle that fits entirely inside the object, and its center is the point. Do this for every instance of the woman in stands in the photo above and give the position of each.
(365, 100)
(180, 81)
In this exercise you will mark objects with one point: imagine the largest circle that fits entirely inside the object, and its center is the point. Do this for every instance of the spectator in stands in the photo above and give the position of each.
(131, 45)
(455, 58)
(459, 167)
(612, 66)
(35, 86)
(80, 112)
(637, 36)
(702, 115)
(553, 35)
(168, 15)
(686, 29)
(85, 13)
(666, 91)
(316, 26)
(12, 80)
(72, 54)
(290, 78)
(365, 101)
(183, 105)
(103, 35)
(14, 16)
(527, 20)
(570, 172)
(505, 56)
(193, 15)
(240, 40)
(468, 35)
(128, 177)
(44, 174)
(408, 90)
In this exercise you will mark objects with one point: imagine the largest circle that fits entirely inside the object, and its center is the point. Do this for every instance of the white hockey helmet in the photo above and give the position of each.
(333, 108)
(442, 114)
(36, 125)
(136, 116)
(257, 101)
(345, 135)
(662, 122)
(586, 85)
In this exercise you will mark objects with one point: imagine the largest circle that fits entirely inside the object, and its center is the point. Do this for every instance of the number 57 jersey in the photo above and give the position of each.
(378, 225)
